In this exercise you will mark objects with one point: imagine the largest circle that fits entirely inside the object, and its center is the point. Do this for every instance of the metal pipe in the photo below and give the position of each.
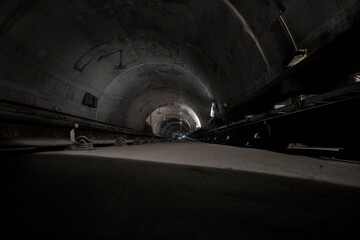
(282, 21)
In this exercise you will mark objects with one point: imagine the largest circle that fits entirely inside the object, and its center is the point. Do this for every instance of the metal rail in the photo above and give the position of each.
(63, 114)
(336, 96)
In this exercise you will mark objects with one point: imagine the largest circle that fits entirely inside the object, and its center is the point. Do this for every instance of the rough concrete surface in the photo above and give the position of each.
(71, 195)
(244, 159)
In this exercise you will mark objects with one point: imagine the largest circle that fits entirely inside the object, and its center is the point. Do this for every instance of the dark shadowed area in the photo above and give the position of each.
(77, 197)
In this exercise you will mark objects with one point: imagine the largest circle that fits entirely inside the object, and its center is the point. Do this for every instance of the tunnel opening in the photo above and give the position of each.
(140, 91)
(173, 119)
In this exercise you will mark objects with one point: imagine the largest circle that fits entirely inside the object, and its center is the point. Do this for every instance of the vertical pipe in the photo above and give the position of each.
(288, 32)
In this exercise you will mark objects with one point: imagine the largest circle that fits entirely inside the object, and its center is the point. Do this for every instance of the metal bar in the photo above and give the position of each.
(288, 32)
(120, 57)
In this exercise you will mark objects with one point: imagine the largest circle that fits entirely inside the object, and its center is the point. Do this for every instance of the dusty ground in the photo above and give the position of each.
(227, 157)
(198, 191)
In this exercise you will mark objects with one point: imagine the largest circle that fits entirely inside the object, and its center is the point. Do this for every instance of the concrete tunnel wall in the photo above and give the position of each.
(196, 52)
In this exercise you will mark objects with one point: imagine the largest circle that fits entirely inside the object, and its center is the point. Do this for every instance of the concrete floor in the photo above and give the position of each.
(178, 191)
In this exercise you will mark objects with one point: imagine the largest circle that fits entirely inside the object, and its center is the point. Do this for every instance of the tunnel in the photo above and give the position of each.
(180, 119)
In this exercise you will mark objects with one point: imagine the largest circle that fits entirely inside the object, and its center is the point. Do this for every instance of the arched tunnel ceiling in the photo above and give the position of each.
(175, 51)
(137, 92)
